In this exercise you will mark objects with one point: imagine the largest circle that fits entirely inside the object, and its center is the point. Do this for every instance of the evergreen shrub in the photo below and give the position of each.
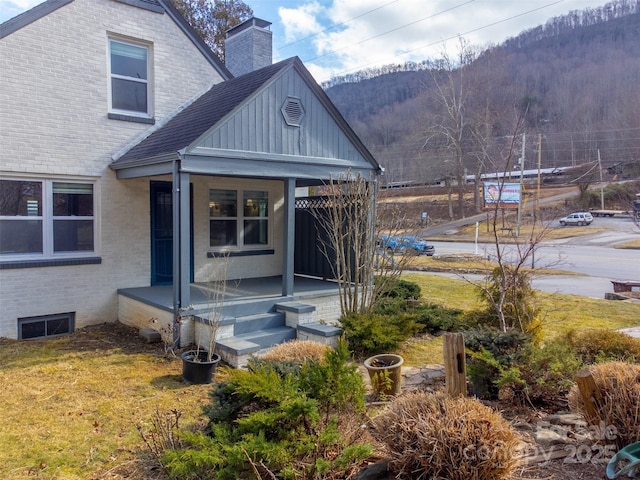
(282, 420)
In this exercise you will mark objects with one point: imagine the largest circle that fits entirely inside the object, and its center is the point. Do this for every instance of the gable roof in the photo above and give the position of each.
(184, 130)
(158, 6)
(195, 119)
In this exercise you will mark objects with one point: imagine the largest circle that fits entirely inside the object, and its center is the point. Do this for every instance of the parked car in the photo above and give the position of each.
(577, 218)
(405, 243)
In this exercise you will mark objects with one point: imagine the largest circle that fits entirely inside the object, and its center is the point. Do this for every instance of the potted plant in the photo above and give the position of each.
(199, 364)
(385, 372)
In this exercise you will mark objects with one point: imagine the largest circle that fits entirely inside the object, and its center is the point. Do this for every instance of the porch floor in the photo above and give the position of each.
(161, 296)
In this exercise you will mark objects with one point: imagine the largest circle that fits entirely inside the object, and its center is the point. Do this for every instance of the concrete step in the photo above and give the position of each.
(253, 342)
(258, 322)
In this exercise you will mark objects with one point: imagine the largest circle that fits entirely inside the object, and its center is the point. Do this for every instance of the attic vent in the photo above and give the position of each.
(293, 111)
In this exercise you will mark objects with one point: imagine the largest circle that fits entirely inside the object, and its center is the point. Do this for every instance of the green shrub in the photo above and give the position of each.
(436, 318)
(600, 345)
(542, 375)
(376, 333)
(289, 420)
(510, 301)
(491, 354)
(395, 297)
(435, 436)
(397, 288)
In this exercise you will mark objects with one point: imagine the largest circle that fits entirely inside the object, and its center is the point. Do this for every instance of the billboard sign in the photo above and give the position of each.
(505, 195)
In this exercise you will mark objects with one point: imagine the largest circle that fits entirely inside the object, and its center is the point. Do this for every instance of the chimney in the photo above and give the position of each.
(248, 46)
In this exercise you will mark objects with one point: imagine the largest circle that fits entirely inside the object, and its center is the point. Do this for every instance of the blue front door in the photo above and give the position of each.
(162, 234)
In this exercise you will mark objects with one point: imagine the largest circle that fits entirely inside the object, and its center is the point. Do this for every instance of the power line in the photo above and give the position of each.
(432, 43)
(392, 30)
(335, 26)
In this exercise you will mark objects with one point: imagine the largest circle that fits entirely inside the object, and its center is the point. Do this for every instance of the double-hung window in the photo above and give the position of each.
(239, 219)
(129, 78)
(46, 218)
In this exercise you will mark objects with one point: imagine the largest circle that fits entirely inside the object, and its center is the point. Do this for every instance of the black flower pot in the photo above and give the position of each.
(197, 368)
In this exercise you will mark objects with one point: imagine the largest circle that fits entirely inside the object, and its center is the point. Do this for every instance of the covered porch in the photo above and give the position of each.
(251, 314)
(247, 143)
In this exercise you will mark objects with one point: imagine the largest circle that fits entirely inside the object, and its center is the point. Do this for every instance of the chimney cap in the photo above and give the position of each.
(252, 22)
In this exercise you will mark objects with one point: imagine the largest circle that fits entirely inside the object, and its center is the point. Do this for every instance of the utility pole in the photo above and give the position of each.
(536, 211)
(521, 183)
(601, 184)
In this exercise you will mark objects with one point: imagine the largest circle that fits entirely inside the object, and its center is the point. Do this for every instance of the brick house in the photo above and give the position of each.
(105, 107)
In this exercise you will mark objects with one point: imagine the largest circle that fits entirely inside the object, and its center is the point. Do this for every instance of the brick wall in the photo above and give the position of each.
(53, 113)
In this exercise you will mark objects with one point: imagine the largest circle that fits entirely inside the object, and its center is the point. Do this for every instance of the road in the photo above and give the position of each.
(592, 256)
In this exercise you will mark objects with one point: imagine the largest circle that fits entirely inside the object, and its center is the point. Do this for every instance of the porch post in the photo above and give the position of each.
(181, 228)
(289, 236)
(185, 240)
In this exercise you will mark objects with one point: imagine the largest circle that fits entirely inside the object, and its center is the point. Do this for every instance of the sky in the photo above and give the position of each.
(338, 37)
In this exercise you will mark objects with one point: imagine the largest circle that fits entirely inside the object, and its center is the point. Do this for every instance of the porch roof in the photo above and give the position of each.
(187, 136)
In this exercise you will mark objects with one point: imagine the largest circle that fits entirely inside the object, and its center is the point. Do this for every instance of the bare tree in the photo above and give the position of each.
(211, 19)
(507, 290)
(451, 126)
(356, 251)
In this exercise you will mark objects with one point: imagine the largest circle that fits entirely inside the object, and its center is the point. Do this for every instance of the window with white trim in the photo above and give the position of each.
(129, 78)
(239, 219)
(46, 218)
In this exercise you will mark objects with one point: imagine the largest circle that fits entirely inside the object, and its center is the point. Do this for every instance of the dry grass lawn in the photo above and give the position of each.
(71, 405)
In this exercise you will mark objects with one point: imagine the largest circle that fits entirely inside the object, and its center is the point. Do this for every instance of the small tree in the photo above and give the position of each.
(507, 290)
(349, 224)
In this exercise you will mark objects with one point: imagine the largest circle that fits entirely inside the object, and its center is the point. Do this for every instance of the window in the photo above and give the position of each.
(129, 76)
(46, 218)
(46, 326)
(240, 226)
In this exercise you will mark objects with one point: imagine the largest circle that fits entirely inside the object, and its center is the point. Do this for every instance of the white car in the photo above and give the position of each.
(577, 218)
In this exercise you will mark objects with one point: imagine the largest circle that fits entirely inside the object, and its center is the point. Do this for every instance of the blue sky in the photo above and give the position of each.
(336, 37)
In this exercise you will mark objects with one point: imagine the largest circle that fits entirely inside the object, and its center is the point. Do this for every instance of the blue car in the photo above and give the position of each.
(405, 244)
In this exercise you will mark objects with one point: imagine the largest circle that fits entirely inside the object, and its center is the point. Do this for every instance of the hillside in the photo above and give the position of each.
(572, 85)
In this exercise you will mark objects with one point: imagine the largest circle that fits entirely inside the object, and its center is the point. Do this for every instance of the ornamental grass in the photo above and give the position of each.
(431, 435)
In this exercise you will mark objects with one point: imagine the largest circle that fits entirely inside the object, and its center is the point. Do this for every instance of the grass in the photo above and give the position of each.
(561, 313)
(71, 405)
(631, 244)
(464, 263)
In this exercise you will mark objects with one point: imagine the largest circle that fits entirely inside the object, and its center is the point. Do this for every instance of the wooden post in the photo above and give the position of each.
(591, 396)
(455, 367)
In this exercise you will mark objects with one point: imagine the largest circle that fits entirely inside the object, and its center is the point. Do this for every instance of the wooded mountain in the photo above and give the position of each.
(572, 84)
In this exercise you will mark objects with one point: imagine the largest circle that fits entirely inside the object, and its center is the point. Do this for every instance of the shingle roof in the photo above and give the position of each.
(188, 124)
(16, 23)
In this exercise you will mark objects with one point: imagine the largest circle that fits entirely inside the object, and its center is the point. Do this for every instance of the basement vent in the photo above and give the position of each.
(293, 111)
(46, 325)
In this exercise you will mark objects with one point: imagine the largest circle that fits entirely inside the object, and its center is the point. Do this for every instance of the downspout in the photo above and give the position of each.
(177, 284)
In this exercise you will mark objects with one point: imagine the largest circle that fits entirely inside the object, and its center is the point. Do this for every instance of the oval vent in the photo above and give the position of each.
(293, 111)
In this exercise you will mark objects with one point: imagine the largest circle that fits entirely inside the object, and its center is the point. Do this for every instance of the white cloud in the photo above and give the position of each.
(301, 21)
(371, 33)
